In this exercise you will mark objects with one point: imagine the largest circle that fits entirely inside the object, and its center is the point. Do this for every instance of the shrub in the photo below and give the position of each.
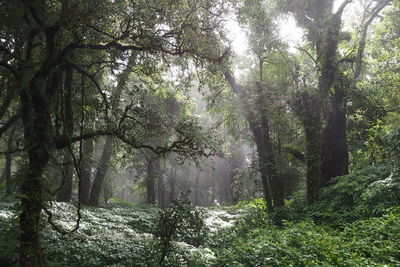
(363, 193)
(182, 222)
(370, 242)
(8, 235)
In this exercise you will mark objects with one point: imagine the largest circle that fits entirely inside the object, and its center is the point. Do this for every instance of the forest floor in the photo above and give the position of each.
(122, 234)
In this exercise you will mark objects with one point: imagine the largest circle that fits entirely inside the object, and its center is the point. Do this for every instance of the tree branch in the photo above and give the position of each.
(361, 46)
(8, 124)
(8, 67)
(340, 10)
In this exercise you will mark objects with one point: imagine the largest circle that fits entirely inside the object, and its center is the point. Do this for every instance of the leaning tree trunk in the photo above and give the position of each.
(108, 146)
(259, 125)
(101, 172)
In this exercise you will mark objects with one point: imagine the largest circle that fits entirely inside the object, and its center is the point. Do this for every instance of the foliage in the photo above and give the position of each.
(8, 230)
(360, 194)
(369, 242)
(114, 235)
(254, 214)
(122, 235)
(181, 223)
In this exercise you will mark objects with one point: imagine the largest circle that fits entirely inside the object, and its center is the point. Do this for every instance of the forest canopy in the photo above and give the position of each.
(199, 133)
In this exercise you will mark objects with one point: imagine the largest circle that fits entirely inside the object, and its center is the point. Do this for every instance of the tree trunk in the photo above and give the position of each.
(86, 170)
(162, 200)
(6, 174)
(187, 181)
(35, 111)
(172, 180)
(65, 193)
(108, 145)
(101, 172)
(259, 125)
(267, 149)
(335, 152)
(311, 119)
(150, 183)
(196, 188)
(262, 159)
(107, 189)
(212, 182)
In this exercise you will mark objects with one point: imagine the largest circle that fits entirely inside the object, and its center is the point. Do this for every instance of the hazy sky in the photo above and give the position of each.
(288, 29)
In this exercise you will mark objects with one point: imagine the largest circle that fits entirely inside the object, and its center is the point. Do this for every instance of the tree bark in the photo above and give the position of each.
(101, 172)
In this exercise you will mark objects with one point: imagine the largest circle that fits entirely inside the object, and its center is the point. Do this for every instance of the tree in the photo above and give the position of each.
(326, 149)
(257, 17)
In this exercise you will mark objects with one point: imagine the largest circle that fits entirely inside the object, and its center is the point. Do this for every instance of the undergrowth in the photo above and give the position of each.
(356, 223)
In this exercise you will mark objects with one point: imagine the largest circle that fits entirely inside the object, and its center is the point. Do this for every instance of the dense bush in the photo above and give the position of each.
(362, 194)
(369, 242)
(181, 222)
(8, 233)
